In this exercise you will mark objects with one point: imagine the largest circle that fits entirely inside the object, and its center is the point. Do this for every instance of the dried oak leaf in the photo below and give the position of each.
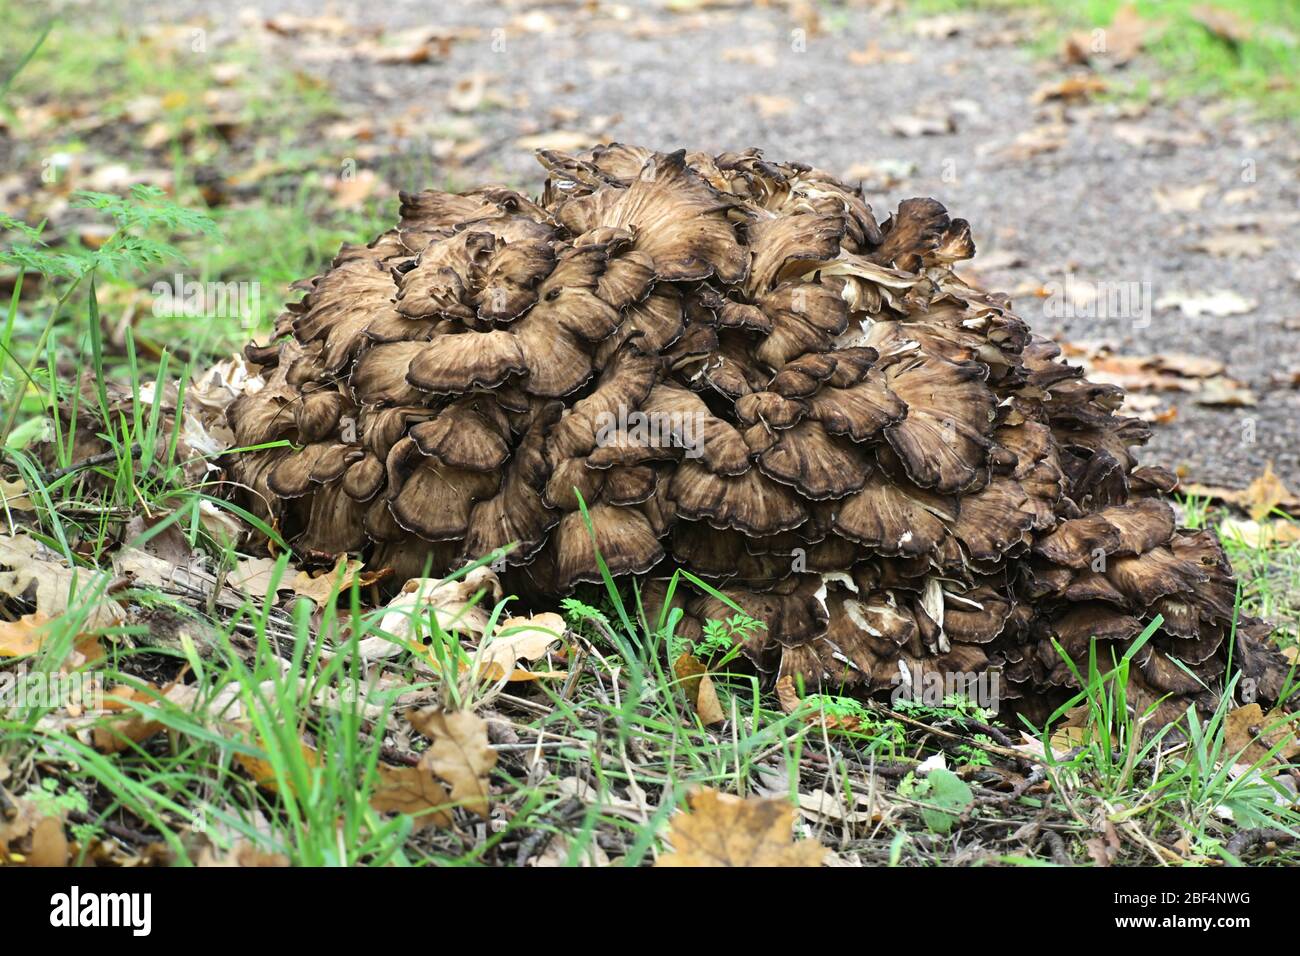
(413, 791)
(460, 754)
(725, 830)
(38, 571)
(1249, 734)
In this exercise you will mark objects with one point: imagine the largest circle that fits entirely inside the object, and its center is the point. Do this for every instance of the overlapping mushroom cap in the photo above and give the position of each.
(741, 373)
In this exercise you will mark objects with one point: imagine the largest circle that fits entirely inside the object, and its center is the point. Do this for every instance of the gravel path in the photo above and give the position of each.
(718, 79)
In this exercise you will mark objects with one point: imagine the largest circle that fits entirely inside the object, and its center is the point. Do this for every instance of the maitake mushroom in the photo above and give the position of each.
(743, 374)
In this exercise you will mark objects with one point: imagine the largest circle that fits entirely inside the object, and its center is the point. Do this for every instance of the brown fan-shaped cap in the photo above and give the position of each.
(511, 278)
(651, 325)
(517, 514)
(318, 414)
(784, 247)
(364, 478)
(379, 376)
(894, 517)
(805, 317)
(315, 464)
(942, 441)
(442, 281)
(859, 411)
(431, 498)
(818, 464)
(681, 418)
(622, 535)
(994, 520)
(721, 554)
(749, 502)
(462, 438)
(335, 523)
(977, 616)
(679, 221)
(358, 289)
(458, 363)
(912, 233)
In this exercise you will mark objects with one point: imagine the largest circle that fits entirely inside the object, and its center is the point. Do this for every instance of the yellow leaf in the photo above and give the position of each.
(1260, 534)
(262, 770)
(321, 587)
(700, 692)
(23, 636)
(1265, 493)
(724, 830)
(520, 638)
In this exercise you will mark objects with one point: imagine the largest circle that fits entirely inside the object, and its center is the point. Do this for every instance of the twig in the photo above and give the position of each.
(103, 458)
(1057, 847)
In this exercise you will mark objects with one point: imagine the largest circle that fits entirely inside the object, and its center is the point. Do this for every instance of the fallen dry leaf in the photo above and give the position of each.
(1181, 198)
(875, 54)
(470, 92)
(562, 140)
(1267, 492)
(725, 830)
(29, 837)
(520, 639)
(459, 754)
(1047, 138)
(944, 25)
(1260, 534)
(1223, 391)
(322, 587)
(1119, 42)
(252, 576)
(28, 634)
(763, 56)
(769, 106)
(1073, 89)
(1236, 245)
(14, 495)
(242, 854)
(911, 125)
(449, 602)
(1218, 303)
(1224, 24)
(262, 770)
(24, 636)
(1259, 498)
(37, 571)
(1250, 732)
(413, 791)
(352, 190)
(700, 692)
(115, 734)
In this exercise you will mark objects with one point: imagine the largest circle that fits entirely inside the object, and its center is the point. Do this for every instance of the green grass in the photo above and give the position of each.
(620, 725)
(1264, 69)
(275, 220)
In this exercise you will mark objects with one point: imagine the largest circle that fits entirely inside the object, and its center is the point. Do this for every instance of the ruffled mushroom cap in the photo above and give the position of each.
(726, 365)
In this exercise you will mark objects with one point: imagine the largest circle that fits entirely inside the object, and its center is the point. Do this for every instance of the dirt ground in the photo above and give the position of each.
(1105, 194)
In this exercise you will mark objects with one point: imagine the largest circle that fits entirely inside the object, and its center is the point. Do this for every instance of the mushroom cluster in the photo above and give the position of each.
(739, 372)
